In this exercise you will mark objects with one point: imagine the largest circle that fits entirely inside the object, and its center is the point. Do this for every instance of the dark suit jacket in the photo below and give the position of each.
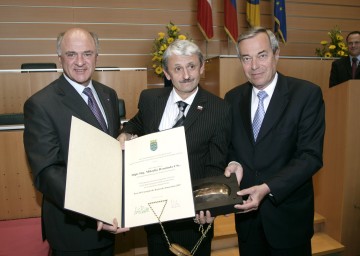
(207, 128)
(287, 153)
(341, 71)
(46, 138)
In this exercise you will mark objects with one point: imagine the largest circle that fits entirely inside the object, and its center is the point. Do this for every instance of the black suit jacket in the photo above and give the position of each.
(207, 131)
(207, 128)
(46, 138)
(341, 71)
(287, 153)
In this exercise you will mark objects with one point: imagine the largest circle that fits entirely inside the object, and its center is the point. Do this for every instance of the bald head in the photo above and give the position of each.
(77, 33)
(78, 52)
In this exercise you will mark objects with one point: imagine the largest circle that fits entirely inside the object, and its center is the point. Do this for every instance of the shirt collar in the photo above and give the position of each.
(268, 89)
(79, 87)
(189, 100)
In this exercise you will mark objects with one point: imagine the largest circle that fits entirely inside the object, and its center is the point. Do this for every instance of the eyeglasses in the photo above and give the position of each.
(74, 55)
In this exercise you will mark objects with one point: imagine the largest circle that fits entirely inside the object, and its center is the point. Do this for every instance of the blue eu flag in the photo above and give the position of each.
(280, 20)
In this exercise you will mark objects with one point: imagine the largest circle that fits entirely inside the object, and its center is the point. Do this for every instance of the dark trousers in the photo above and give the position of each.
(106, 251)
(257, 245)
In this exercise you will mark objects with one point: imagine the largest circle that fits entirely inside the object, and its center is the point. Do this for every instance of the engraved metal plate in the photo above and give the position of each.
(218, 194)
(211, 191)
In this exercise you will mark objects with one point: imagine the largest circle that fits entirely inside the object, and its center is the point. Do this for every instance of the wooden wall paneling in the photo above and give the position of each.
(317, 24)
(39, 80)
(32, 30)
(14, 90)
(318, 11)
(17, 193)
(136, 24)
(353, 3)
(104, 60)
(29, 47)
(313, 70)
(131, 16)
(139, 4)
(14, 62)
(54, 3)
(30, 14)
(127, 84)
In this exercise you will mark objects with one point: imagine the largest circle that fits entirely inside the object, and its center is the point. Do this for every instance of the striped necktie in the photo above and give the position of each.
(95, 108)
(259, 114)
(179, 121)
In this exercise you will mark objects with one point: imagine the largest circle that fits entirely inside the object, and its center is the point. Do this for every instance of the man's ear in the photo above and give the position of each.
(167, 75)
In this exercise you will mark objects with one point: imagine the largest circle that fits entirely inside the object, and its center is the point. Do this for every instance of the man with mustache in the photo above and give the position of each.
(207, 128)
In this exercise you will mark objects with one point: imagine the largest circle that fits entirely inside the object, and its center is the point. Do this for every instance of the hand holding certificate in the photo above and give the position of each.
(137, 189)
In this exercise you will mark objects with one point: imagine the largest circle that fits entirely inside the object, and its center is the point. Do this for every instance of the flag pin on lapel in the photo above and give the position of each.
(200, 108)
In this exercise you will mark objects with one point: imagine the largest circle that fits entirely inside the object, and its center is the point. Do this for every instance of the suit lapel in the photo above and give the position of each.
(159, 108)
(348, 66)
(196, 108)
(278, 103)
(106, 104)
(72, 100)
(245, 109)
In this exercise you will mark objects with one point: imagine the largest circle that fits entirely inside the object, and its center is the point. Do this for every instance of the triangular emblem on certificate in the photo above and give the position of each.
(104, 184)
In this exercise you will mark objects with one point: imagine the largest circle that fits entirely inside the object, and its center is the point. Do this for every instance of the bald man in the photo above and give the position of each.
(48, 116)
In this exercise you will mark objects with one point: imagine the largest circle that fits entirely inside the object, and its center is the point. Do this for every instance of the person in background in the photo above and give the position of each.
(207, 130)
(276, 147)
(48, 116)
(347, 67)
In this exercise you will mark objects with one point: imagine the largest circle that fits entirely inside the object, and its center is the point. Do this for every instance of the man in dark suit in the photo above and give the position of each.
(46, 138)
(207, 130)
(342, 69)
(276, 167)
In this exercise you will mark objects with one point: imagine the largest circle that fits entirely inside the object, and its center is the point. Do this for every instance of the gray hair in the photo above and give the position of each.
(181, 48)
(61, 37)
(252, 32)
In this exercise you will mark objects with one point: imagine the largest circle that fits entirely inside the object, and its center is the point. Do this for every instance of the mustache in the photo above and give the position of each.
(187, 80)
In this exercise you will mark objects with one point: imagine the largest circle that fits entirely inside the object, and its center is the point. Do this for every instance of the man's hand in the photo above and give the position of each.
(114, 229)
(256, 195)
(124, 137)
(203, 218)
(234, 167)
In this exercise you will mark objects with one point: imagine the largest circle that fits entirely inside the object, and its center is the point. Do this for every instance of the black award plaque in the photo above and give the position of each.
(216, 194)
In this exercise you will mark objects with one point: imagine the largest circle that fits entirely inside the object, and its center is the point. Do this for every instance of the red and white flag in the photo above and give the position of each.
(230, 19)
(204, 17)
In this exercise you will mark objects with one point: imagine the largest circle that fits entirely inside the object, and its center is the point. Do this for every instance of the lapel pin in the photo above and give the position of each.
(200, 107)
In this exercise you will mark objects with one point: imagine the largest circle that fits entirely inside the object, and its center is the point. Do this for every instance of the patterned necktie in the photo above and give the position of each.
(179, 121)
(354, 67)
(95, 108)
(259, 114)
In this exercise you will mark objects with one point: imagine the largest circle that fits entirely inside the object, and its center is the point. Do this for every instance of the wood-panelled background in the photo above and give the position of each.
(127, 28)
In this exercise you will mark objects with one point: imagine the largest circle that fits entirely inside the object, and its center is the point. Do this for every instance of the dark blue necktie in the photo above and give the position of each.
(354, 67)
